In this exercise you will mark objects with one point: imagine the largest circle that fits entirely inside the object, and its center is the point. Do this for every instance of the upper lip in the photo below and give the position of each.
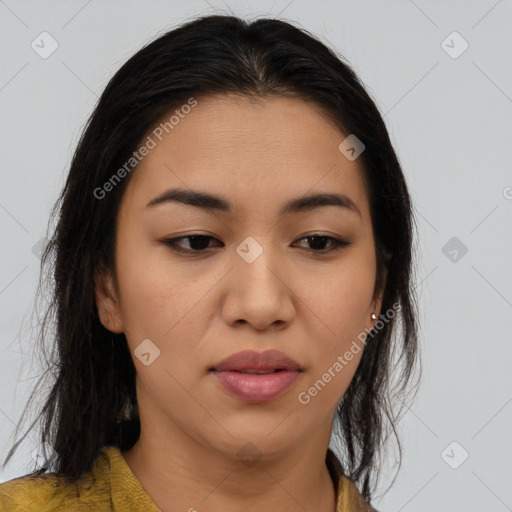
(252, 360)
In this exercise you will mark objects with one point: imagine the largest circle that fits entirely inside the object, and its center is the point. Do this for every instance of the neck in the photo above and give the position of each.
(181, 474)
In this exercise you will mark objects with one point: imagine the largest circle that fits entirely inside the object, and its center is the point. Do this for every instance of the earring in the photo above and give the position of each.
(374, 316)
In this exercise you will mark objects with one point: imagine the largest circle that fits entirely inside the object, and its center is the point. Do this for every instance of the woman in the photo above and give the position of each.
(233, 249)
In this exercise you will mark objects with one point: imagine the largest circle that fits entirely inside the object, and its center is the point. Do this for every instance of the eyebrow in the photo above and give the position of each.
(207, 201)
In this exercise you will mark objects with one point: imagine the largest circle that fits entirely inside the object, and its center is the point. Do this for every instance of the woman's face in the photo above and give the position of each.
(257, 283)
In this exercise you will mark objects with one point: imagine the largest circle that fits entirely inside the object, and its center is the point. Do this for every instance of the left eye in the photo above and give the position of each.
(319, 239)
(199, 243)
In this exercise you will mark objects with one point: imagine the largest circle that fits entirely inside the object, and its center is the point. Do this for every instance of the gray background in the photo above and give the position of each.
(450, 120)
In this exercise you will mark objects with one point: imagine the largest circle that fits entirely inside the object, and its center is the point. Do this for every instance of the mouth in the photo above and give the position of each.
(257, 372)
(250, 361)
(256, 377)
(256, 386)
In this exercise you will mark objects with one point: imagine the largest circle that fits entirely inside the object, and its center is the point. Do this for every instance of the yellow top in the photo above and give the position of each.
(116, 489)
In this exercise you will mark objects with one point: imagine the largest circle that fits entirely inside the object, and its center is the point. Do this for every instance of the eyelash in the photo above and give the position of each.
(336, 243)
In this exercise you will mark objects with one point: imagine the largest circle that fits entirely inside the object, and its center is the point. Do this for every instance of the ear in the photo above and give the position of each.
(377, 298)
(107, 301)
(375, 308)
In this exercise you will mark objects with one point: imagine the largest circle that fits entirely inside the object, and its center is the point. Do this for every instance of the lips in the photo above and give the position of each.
(250, 361)
(257, 377)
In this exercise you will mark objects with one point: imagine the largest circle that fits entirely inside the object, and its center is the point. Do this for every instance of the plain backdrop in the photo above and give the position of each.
(441, 75)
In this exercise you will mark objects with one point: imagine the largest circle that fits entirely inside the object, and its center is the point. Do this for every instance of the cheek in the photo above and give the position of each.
(340, 296)
(154, 296)
(339, 307)
(336, 351)
(163, 301)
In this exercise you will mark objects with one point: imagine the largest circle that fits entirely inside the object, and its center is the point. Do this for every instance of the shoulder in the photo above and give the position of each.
(350, 499)
(52, 493)
(45, 493)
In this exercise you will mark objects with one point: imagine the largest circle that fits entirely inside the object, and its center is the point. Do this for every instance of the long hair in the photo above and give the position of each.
(91, 400)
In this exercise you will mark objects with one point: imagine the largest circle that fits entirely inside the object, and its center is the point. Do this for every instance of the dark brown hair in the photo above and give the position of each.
(92, 401)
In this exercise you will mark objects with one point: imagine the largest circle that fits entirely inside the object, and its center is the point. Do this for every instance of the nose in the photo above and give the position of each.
(259, 292)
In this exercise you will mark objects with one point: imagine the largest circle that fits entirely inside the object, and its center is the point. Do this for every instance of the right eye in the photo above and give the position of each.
(198, 243)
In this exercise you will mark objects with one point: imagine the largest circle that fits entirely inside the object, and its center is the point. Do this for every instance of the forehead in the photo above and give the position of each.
(249, 150)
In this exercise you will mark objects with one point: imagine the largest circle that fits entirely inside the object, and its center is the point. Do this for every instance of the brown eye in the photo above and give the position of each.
(197, 243)
(318, 241)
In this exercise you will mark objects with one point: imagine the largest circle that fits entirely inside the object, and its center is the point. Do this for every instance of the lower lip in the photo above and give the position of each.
(251, 387)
